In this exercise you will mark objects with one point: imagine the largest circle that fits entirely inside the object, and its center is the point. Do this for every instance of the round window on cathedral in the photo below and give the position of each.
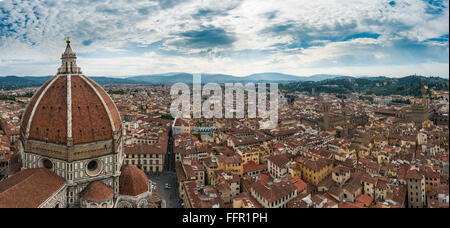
(47, 164)
(94, 168)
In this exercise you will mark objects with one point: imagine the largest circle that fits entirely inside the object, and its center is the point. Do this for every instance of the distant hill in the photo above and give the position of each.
(222, 78)
(272, 76)
(113, 81)
(322, 77)
(211, 78)
(14, 82)
(381, 86)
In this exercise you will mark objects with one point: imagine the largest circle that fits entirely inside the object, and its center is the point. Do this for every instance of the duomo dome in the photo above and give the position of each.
(71, 143)
(71, 110)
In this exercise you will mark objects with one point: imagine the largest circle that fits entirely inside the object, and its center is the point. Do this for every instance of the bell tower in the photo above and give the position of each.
(422, 89)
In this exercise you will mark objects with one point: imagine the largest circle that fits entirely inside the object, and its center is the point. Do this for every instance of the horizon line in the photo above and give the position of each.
(175, 73)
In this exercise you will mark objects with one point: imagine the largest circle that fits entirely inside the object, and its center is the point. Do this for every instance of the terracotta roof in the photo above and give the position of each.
(92, 114)
(209, 163)
(327, 182)
(298, 202)
(33, 101)
(317, 165)
(335, 190)
(349, 205)
(351, 187)
(223, 150)
(180, 172)
(159, 148)
(299, 184)
(203, 197)
(398, 195)
(29, 188)
(229, 160)
(109, 103)
(133, 181)
(192, 169)
(97, 191)
(342, 170)
(91, 120)
(279, 160)
(274, 191)
(413, 174)
(369, 179)
(382, 185)
(251, 166)
(247, 200)
(365, 200)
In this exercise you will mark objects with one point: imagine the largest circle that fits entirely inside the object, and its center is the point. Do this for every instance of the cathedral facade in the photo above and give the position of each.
(71, 141)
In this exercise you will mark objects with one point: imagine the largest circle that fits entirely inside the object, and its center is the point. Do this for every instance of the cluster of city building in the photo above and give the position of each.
(10, 113)
(326, 151)
(146, 133)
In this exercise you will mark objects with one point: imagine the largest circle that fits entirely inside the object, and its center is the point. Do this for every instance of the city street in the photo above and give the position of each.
(169, 176)
(171, 194)
(170, 156)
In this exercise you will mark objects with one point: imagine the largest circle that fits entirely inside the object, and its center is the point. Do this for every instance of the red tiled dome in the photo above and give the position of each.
(70, 106)
(133, 181)
(97, 191)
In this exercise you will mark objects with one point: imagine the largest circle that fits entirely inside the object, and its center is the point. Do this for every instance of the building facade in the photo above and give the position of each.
(416, 189)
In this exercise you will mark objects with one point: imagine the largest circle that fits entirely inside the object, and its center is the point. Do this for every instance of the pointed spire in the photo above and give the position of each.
(68, 47)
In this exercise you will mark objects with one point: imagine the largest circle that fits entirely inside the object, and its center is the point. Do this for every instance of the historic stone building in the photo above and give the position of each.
(416, 188)
(420, 109)
(72, 128)
(344, 122)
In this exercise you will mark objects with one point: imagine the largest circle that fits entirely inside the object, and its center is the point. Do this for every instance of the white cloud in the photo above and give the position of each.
(129, 37)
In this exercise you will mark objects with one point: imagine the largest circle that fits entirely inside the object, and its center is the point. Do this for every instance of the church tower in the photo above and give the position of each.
(422, 89)
(72, 128)
(326, 115)
(419, 111)
(424, 94)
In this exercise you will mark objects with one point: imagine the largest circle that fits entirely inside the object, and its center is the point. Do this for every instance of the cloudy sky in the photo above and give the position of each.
(239, 37)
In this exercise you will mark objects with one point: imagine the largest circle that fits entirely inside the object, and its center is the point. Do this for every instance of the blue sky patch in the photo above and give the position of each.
(229, 36)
